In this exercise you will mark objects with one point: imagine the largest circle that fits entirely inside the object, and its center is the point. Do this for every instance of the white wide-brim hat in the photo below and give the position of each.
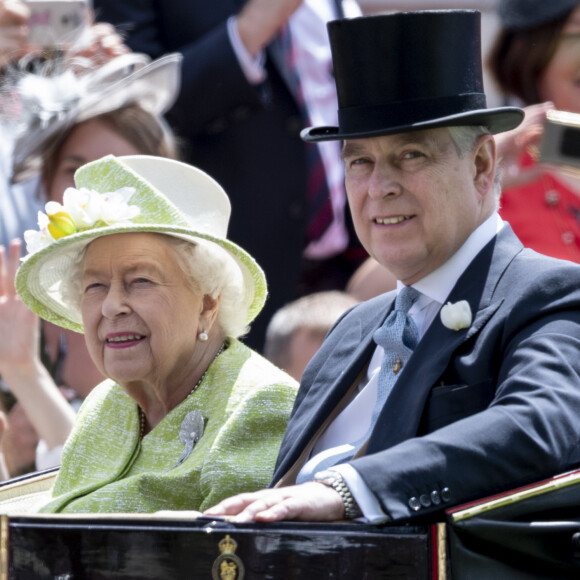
(172, 198)
(50, 105)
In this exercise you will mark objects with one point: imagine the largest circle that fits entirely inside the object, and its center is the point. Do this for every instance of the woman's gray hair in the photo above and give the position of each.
(465, 137)
(210, 270)
(207, 268)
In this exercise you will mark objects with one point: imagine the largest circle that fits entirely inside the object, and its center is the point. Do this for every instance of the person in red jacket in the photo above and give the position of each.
(536, 59)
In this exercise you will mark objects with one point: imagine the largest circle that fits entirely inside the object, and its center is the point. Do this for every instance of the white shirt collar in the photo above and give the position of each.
(438, 284)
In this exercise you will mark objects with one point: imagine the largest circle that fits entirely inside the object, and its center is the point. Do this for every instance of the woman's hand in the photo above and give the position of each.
(14, 15)
(512, 144)
(19, 327)
(20, 366)
(307, 502)
(102, 45)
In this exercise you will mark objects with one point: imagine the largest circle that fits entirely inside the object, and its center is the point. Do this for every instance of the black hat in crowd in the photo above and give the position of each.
(409, 71)
(522, 14)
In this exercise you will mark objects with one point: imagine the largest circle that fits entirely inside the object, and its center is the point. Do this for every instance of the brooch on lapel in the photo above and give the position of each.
(190, 433)
(456, 316)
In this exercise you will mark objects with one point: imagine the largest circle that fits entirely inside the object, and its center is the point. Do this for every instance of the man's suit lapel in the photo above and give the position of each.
(352, 351)
(400, 417)
(402, 413)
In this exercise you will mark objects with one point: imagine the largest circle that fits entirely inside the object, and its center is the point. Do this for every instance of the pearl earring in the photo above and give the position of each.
(203, 336)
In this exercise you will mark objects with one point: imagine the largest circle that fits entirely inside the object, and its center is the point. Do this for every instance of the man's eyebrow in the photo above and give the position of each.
(352, 148)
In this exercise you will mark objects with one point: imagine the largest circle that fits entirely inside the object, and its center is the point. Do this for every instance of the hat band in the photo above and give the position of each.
(405, 113)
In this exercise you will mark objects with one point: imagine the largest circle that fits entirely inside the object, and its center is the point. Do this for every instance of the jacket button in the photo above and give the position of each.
(435, 497)
(415, 504)
(446, 494)
(425, 500)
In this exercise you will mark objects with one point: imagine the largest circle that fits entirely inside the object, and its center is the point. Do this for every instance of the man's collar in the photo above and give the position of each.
(438, 284)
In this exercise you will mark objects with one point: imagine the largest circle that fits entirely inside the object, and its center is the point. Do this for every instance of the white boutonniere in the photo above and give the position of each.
(456, 316)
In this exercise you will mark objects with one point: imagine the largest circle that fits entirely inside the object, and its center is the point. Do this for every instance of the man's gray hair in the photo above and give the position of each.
(465, 137)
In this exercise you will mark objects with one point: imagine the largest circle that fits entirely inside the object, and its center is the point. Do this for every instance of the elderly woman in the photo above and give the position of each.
(105, 112)
(137, 258)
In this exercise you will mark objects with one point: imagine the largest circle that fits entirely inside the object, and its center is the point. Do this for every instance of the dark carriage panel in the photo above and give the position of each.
(141, 548)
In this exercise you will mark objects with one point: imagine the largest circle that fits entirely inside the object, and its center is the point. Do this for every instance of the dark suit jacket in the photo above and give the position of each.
(245, 136)
(474, 411)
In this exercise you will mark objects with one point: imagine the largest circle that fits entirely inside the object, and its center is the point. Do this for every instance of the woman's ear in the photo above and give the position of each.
(484, 158)
(209, 311)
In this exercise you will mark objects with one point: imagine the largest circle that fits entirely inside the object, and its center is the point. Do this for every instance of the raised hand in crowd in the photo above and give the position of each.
(259, 20)
(20, 366)
(19, 327)
(14, 16)
(101, 44)
(512, 144)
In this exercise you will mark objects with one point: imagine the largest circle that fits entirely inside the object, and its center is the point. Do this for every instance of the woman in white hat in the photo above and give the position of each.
(137, 258)
(105, 112)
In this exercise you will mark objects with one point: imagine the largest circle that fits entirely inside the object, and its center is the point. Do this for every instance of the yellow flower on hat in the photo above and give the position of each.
(61, 224)
(81, 209)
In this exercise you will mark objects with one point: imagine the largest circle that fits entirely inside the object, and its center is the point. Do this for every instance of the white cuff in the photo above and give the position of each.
(365, 499)
(253, 68)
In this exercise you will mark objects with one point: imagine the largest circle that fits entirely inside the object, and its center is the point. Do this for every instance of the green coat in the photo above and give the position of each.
(245, 402)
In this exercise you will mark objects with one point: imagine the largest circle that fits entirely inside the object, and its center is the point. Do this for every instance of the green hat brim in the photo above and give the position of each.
(43, 301)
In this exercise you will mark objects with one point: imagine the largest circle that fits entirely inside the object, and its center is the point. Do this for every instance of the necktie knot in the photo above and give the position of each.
(406, 298)
(398, 335)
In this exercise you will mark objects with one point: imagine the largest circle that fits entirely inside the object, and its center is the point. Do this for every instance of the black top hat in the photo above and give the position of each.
(409, 71)
(523, 14)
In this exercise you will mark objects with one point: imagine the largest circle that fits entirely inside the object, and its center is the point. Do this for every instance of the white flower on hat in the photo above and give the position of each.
(456, 316)
(81, 209)
(36, 240)
(83, 206)
(115, 207)
(86, 207)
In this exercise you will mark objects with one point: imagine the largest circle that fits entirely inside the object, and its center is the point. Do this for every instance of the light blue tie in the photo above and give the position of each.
(398, 336)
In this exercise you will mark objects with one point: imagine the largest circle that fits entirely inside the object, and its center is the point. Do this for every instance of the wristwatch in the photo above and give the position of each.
(335, 480)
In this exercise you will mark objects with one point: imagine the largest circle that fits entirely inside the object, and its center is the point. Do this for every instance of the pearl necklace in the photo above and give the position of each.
(142, 414)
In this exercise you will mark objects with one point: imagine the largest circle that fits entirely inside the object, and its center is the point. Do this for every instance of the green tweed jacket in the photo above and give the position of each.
(245, 402)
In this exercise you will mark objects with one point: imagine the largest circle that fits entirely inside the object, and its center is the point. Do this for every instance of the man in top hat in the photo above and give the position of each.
(465, 381)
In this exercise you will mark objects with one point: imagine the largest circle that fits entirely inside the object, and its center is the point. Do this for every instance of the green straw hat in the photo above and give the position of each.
(138, 193)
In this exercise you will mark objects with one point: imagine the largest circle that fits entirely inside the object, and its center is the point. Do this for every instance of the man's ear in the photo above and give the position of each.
(484, 162)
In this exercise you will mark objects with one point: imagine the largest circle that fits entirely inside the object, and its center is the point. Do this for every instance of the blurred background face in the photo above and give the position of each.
(560, 83)
(87, 142)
